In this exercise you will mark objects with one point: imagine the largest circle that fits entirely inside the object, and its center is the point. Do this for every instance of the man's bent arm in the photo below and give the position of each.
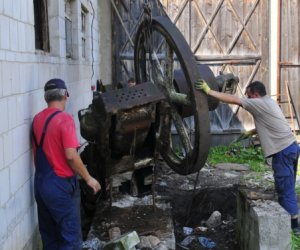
(77, 165)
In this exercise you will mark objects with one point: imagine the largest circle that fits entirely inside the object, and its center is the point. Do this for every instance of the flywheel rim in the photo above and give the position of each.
(194, 161)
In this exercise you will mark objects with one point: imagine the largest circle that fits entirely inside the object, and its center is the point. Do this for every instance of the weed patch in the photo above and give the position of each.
(237, 153)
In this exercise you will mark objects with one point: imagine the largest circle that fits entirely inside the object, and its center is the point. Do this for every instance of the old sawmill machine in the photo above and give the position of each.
(127, 128)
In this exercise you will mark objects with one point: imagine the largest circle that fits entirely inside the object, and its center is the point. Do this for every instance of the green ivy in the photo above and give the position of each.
(237, 153)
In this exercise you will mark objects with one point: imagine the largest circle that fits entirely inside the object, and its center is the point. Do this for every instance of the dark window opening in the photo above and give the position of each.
(41, 25)
(83, 30)
(68, 27)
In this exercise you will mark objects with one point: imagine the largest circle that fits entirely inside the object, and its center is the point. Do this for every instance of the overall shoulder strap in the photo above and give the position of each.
(44, 129)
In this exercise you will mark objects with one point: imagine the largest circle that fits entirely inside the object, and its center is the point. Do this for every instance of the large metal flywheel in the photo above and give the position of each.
(183, 137)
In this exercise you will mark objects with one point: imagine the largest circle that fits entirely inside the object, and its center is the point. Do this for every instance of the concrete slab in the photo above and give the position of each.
(262, 224)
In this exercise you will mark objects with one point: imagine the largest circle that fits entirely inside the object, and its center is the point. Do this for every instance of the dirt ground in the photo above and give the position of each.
(192, 207)
(192, 200)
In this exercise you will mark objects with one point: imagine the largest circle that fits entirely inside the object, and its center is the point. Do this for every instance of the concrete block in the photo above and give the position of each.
(54, 23)
(16, 9)
(13, 35)
(3, 113)
(26, 82)
(53, 8)
(22, 36)
(20, 110)
(3, 227)
(20, 140)
(12, 114)
(12, 241)
(262, 225)
(25, 227)
(4, 32)
(44, 75)
(20, 172)
(27, 102)
(4, 180)
(7, 7)
(8, 148)
(10, 213)
(1, 6)
(28, 226)
(21, 137)
(7, 78)
(24, 10)
(30, 12)
(11, 56)
(1, 154)
(125, 242)
(27, 191)
(30, 40)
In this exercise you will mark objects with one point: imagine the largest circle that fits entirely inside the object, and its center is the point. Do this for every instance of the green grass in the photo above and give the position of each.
(295, 242)
(237, 153)
(298, 190)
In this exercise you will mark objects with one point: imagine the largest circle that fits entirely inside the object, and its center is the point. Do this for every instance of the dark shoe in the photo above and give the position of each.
(296, 231)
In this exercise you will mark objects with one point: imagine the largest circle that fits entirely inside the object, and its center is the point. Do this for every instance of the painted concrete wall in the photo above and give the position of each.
(23, 73)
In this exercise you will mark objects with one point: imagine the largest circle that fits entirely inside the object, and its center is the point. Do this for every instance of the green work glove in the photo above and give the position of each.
(202, 85)
(245, 135)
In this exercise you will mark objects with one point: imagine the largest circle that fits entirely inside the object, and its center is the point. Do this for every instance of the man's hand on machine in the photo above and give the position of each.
(202, 85)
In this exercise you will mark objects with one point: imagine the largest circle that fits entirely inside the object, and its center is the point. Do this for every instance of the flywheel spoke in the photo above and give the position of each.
(167, 52)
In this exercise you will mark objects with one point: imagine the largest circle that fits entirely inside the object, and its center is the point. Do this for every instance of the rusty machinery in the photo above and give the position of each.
(126, 127)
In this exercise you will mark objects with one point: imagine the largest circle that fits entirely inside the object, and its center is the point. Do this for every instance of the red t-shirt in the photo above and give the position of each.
(60, 134)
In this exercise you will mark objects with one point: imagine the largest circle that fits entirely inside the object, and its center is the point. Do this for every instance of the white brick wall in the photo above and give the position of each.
(1, 6)
(13, 34)
(7, 77)
(1, 154)
(16, 5)
(23, 73)
(8, 10)
(26, 5)
(4, 180)
(20, 172)
(3, 227)
(3, 113)
(4, 35)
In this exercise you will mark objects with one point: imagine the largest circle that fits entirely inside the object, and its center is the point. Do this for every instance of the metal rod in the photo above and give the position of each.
(289, 64)
(278, 57)
(227, 57)
(191, 201)
(290, 107)
(293, 105)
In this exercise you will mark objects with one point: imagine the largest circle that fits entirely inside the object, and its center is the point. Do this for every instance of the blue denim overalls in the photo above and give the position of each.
(58, 203)
(284, 164)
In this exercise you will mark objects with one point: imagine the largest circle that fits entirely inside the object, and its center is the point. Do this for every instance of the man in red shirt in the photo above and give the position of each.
(57, 162)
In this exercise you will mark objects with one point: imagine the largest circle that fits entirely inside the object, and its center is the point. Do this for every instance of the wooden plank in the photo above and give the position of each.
(208, 25)
(290, 49)
(243, 27)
